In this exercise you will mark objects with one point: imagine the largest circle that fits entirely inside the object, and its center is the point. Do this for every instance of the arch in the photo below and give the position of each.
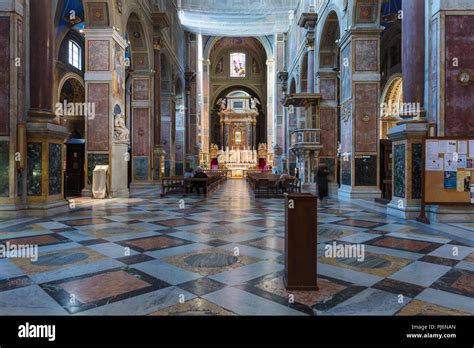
(68, 76)
(225, 90)
(328, 45)
(139, 42)
(212, 42)
(392, 103)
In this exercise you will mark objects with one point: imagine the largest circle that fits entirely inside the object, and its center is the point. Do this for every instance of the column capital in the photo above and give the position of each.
(352, 32)
(308, 20)
(107, 33)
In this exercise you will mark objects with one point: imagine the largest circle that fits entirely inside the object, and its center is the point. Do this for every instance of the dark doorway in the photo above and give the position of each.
(74, 174)
(386, 171)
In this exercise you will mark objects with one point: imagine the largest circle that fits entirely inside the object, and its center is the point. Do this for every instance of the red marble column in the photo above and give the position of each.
(42, 59)
(157, 94)
(413, 51)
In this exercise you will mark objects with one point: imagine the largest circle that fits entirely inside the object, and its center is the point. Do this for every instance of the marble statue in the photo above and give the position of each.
(222, 102)
(121, 133)
(253, 103)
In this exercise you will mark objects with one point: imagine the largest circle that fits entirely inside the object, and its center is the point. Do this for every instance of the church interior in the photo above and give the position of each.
(195, 157)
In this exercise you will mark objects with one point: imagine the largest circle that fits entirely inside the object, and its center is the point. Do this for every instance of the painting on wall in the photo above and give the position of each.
(237, 65)
(118, 73)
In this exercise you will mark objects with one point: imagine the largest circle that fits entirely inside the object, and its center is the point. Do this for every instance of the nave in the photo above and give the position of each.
(224, 256)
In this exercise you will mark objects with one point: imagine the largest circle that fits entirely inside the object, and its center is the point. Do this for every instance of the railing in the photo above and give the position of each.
(305, 137)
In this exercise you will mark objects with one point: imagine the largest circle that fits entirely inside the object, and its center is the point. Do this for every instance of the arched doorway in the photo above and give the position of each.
(72, 99)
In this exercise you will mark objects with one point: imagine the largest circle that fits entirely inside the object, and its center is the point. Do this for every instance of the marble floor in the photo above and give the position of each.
(222, 255)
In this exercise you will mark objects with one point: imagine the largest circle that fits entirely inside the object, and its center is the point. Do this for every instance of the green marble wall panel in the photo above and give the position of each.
(417, 155)
(34, 171)
(399, 171)
(366, 170)
(55, 162)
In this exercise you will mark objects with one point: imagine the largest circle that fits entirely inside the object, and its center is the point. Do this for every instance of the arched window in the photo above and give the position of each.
(238, 65)
(74, 56)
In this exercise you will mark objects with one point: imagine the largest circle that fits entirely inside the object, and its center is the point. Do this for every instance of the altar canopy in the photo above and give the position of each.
(246, 17)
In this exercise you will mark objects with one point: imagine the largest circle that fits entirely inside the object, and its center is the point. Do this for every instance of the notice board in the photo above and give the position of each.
(448, 174)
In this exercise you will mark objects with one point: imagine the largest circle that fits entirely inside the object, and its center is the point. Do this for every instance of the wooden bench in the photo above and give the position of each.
(266, 185)
(179, 184)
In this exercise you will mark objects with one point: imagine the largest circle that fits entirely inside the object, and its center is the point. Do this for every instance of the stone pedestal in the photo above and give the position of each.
(45, 179)
(407, 169)
(118, 170)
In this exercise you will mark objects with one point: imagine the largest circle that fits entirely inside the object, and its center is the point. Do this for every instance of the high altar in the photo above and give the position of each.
(238, 119)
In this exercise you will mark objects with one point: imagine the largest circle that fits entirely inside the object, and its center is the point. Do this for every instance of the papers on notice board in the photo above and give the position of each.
(471, 148)
(433, 162)
(432, 148)
(462, 161)
(447, 146)
(463, 181)
(462, 147)
(450, 181)
(450, 163)
(472, 194)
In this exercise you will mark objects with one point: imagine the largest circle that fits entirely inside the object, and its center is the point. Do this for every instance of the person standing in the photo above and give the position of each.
(187, 184)
(322, 180)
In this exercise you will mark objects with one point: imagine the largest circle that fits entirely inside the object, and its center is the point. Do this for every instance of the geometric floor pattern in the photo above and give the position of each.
(223, 256)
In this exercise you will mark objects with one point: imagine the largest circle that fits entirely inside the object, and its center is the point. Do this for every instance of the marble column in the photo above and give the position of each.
(142, 131)
(191, 135)
(45, 137)
(42, 58)
(12, 111)
(328, 124)
(413, 55)
(407, 136)
(105, 89)
(158, 151)
(360, 95)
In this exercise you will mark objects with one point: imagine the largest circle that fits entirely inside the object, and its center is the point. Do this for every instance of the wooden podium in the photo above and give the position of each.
(300, 241)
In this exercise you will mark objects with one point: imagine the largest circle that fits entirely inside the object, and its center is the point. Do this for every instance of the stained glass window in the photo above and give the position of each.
(237, 65)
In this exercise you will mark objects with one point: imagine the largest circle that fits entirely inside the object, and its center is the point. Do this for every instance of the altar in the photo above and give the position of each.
(238, 161)
(239, 151)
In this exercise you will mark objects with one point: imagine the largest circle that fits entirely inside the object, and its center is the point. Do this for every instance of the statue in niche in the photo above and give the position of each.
(253, 103)
(222, 103)
(121, 133)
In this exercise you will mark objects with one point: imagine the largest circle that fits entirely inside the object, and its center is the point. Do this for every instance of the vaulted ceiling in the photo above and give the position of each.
(236, 17)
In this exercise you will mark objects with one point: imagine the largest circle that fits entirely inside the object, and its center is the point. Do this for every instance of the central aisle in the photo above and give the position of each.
(223, 255)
